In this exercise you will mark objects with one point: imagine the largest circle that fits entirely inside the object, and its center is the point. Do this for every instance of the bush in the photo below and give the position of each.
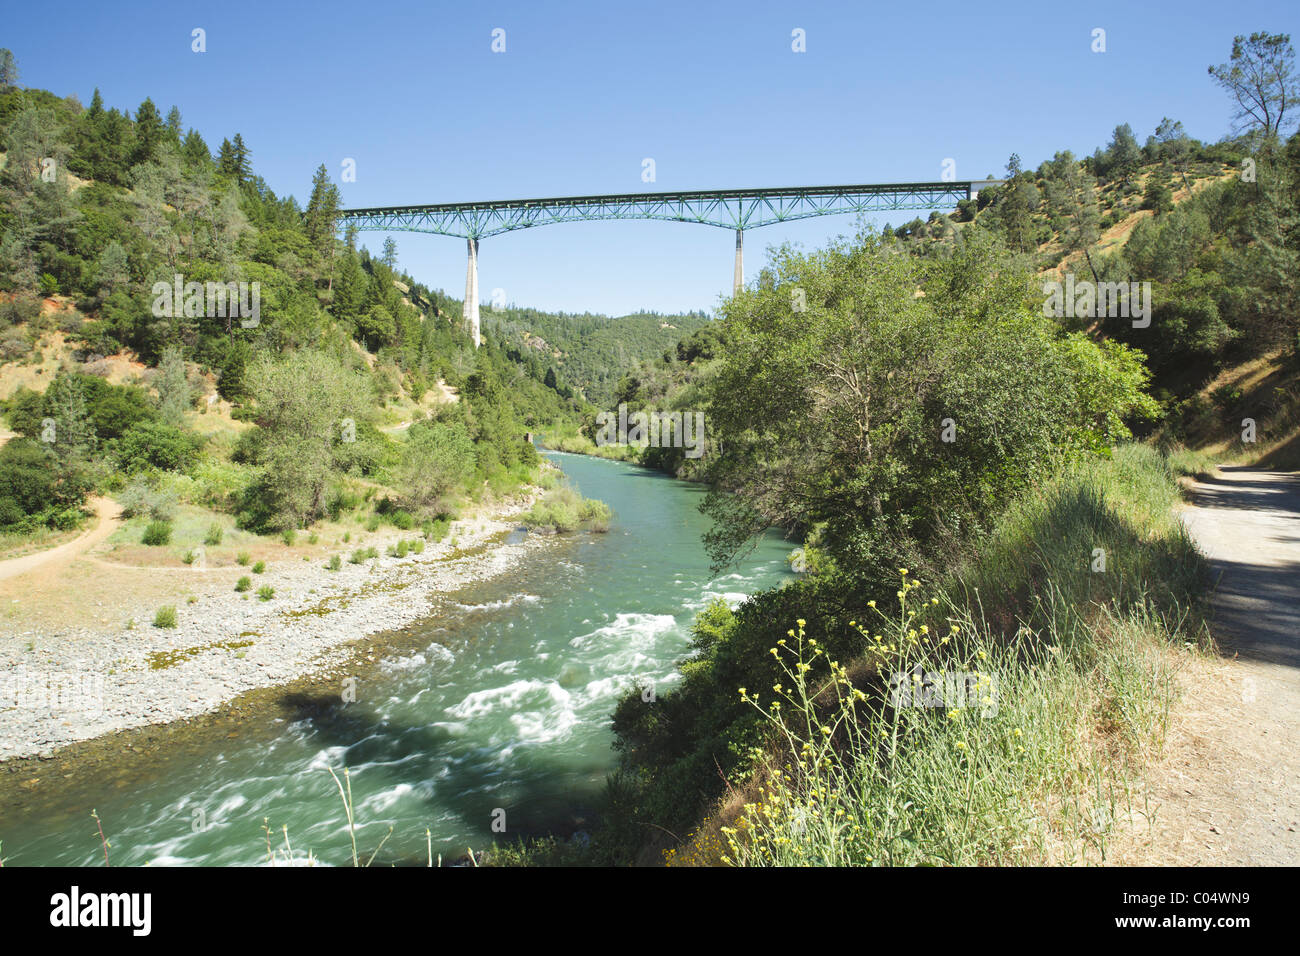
(142, 498)
(335, 563)
(28, 481)
(158, 445)
(565, 510)
(165, 617)
(242, 559)
(156, 533)
(289, 536)
(259, 567)
(214, 535)
(265, 592)
(243, 584)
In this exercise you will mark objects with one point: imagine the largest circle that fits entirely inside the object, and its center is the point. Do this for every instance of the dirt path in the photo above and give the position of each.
(1229, 790)
(109, 513)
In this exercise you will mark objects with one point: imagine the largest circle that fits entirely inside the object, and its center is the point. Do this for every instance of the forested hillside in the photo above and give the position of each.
(593, 352)
(115, 230)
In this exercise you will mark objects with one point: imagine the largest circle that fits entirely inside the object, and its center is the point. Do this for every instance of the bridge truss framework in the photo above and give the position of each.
(737, 209)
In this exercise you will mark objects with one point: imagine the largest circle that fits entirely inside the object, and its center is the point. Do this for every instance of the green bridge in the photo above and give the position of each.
(737, 209)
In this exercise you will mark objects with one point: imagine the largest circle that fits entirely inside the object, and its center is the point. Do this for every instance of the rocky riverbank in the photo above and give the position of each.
(85, 681)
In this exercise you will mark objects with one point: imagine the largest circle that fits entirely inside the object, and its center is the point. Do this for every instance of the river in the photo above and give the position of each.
(496, 712)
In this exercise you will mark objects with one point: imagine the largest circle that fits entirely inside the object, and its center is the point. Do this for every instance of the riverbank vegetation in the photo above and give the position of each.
(352, 388)
(976, 518)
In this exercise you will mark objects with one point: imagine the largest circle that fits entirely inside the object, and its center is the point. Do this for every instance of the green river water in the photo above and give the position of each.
(502, 703)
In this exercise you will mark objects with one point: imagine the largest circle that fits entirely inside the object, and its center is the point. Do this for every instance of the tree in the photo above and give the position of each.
(896, 422)
(242, 157)
(148, 132)
(74, 432)
(1157, 196)
(438, 458)
(195, 150)
(1174, 148)
(301, 401)
(175, 396)
(1123, 155)
(1072, 208)
(174, 127)
(112, 268)
(389, 258)
(1261, 79)
(8, 69)
(226, 159)
(322, 211)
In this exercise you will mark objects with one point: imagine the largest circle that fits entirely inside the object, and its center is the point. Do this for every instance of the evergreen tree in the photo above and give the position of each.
(243, 165)
(195, 150)
(227, 165)
(174, 393)
(148, 133)
(74, 433)
(322, 211)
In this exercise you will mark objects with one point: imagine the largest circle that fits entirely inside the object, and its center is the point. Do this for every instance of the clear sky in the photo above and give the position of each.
(585, 91)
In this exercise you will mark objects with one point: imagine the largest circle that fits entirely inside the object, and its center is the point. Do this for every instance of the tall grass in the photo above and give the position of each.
(1001, 719)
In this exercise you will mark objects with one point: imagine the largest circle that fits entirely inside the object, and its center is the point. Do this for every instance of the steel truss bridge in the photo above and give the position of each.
(737, 209)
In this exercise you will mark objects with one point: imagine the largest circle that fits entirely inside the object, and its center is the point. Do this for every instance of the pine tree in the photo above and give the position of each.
(74, 434)
(226, 163)
(322, 211)
(148, 133)
(174, 393)
(389, 258)
(242, 160)
(195, 150)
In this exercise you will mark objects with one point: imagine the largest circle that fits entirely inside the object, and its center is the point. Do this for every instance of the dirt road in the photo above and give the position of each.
(109, 513)
(1229, 793)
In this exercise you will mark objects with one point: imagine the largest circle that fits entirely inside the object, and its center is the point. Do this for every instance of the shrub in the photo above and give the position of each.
(335, 563)
(165, 617)
(242, 559)
(243, 584)
(214, 535)
(289, 536)
(141, 498)
(265, 592)
(259, 567)
(156, 533)
(151, 444)
(563, 509)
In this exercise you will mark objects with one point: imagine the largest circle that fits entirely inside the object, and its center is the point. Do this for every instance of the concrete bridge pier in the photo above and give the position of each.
(471, 291)
(738, 282)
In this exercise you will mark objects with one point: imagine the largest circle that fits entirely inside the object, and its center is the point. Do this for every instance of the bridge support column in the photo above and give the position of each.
(738, 282)
(471, 291)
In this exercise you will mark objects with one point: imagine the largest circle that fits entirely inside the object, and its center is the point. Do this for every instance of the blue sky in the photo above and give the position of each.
(711, 91)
